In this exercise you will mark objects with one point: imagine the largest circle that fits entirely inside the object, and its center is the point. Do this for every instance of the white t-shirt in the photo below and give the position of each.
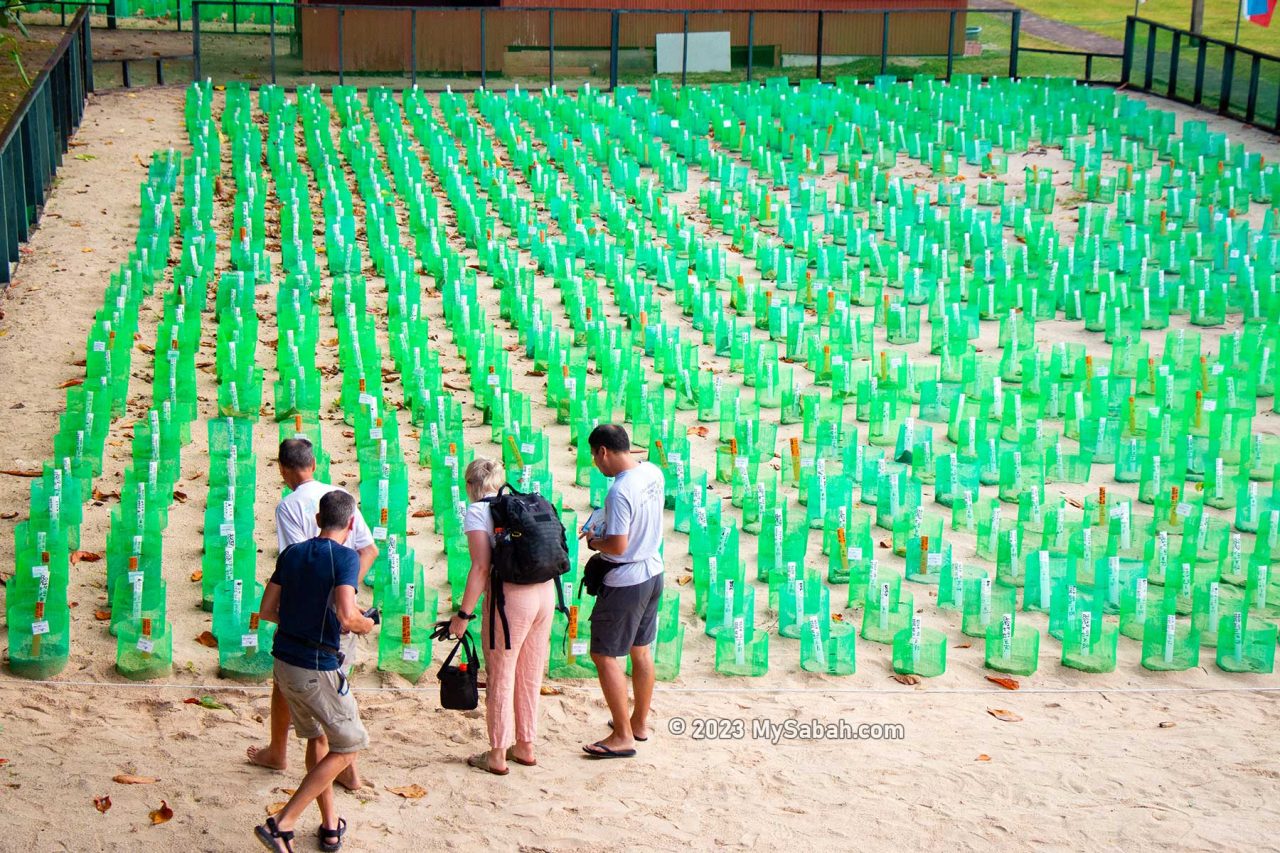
(479, 517)
(634, 507)
(296, 517)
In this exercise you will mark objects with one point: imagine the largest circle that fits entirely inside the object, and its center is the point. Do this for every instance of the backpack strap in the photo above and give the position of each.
(497, 607)
(560, 605)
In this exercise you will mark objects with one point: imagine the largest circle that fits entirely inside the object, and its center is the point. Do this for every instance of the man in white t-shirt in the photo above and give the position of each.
(296, 522)
(624, 620)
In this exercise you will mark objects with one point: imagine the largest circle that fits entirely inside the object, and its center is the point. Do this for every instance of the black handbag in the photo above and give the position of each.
(593, 574)
(459, 685)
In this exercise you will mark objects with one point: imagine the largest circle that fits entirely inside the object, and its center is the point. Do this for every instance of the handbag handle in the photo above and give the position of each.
(469, 654)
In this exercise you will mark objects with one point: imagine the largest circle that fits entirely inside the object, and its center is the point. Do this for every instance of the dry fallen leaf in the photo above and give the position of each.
(983, 757)
(1006, 683)
(1004, 716)
(208, 640)
(102, 803)
(903, 678)
(3, 762)
(102, 615)
(410, 792)
(275, 808)
(683, 580)
(548, 690)
(699, 431)
(131, 779)
(1075, 503)
(197, 576)
(883, 543)
(99, 495)
(961, 645)
(180, 497)
(1167, 724)
(164, 814)
(837, 617)
(22, 472)
(71, 383)
(8, 515)
(84, 557)
(422, 513)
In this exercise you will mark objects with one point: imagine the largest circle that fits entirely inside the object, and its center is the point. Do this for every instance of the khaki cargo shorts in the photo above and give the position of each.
(321, 703)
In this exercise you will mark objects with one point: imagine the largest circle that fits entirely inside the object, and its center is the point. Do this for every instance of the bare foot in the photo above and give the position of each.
(264, 757)
(640, 731)
(613, 746)
(350, 779)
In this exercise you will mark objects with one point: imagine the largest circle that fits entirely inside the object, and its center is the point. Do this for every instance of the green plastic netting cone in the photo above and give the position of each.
(920, 651)
(144, 651)
(1246, 644)
(1170, 644)
(882, 623)
(571, 645)
(985, 603)
(743, 650)
(1012, 648)
(404, 645)
(39, 632)
(828, 647)
(1213, 601)
(245, 654)
(1089, 643)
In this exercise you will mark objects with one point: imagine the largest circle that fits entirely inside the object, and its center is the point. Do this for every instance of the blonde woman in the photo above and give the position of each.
(513, 671)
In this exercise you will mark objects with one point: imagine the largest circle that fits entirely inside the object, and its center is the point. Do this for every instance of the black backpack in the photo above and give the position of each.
(529, 547)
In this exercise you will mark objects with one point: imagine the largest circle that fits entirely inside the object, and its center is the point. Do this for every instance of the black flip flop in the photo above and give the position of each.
(331, 839)
(606, 752)
(637, 738)
(272, 833)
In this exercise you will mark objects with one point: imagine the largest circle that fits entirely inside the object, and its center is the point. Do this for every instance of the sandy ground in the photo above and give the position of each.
(1133, 759)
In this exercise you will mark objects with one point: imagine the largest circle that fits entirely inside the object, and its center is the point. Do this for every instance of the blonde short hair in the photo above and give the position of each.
(483, 477)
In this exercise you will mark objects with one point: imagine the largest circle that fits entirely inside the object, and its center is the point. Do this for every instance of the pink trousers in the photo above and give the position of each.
(514, 675)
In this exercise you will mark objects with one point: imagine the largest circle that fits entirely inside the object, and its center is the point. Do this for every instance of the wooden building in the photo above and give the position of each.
(516, 37)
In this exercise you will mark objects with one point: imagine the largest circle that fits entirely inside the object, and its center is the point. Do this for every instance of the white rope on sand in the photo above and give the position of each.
(817, 691)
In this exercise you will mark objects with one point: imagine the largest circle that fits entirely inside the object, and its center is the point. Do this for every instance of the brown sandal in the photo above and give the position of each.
(480, 761)
(511, 756)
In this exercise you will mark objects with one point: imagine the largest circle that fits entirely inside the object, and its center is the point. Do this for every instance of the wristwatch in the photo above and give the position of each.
(462, 614)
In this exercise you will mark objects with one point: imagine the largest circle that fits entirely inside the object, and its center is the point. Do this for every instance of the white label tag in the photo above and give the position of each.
(227, 529)
(578, 647)
(40, 627)
(145, 644)
(379, 533)
(249, 641)
(409, 654)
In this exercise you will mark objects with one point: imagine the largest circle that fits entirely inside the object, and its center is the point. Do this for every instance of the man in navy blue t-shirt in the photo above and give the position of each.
(312, 598)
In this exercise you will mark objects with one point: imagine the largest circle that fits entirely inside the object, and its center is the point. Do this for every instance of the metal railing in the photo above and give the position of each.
(1213, 74)
(34, 140)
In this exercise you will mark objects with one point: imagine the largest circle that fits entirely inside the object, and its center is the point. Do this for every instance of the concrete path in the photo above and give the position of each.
(1056, 31)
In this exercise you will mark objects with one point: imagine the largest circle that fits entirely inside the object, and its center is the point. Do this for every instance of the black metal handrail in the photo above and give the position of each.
(1140, 72)
(36, 136)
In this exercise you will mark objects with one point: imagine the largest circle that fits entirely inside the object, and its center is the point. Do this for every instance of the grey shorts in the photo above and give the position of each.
(320, 702)
(625, 616)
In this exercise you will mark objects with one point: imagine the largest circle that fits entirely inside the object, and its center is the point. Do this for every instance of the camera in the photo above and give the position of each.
(375, 614)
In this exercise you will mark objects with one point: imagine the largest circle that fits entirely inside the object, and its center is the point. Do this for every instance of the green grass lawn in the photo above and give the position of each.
(1107, 17)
